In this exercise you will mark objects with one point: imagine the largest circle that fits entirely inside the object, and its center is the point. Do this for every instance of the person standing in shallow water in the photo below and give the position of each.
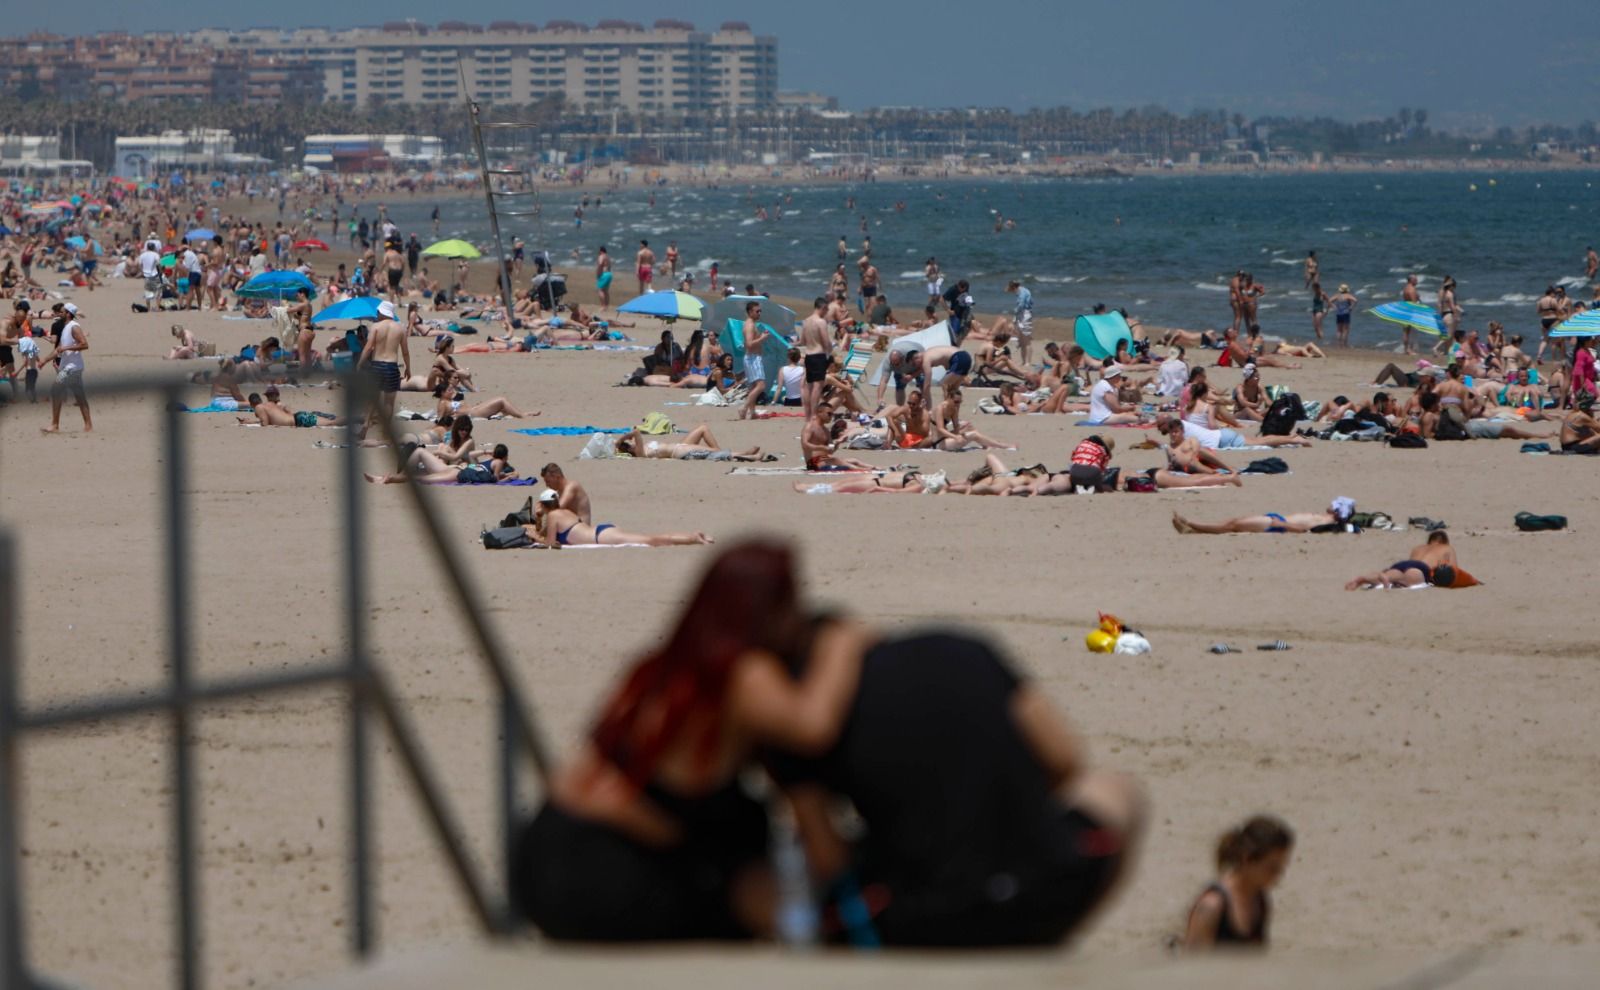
(1235, 911)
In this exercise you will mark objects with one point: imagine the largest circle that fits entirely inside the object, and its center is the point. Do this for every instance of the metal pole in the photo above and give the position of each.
(11, 929)
(501, 275)
(177, 543)
(508, 797)
(363, 930)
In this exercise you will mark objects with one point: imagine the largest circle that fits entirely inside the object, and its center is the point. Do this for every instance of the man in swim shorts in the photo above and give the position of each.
(816, 341)
(386, 349)
(956, 362)
(1023, 319)
(1272, 522)
(755, 375)
(1433, 563)
(602, 277)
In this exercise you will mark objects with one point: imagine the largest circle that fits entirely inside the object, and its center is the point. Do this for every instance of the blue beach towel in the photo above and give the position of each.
(214, 408)
(567, 431)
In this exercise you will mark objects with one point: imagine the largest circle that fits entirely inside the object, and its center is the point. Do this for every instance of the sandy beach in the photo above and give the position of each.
(1432, 749)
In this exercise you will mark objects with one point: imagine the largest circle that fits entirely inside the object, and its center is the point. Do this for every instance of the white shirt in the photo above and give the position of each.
(191, 261)
(1099, 412)
(1209, 438)
(71, 360)
(258, 263)
(149, 263)
(1174, 375)
(792, 377)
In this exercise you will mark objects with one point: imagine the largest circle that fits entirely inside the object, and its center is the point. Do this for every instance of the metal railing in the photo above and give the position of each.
(370, 693)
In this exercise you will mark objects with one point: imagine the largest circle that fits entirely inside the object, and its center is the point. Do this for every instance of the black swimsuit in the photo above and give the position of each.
(1229, 935)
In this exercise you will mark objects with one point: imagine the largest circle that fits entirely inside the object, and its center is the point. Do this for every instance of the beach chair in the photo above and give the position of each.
(856, 362)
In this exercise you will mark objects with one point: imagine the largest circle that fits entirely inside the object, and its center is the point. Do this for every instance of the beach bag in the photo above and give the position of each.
(656, 424)
(1267, 465)
(1530, 523)
(506, 538)
(1282, 416)
(599, 448)
(1408, 440)
(1141, 483)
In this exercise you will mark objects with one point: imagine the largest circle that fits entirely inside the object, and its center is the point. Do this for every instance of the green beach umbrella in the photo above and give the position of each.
(452, 249)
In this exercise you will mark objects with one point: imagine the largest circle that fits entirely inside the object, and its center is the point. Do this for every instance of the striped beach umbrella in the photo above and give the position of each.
(1410, 314)
(1585, 324)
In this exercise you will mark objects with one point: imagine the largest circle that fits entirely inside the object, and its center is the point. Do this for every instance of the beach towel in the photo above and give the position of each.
(789, 471)
(768, 414)
(509, 483)
(212, 407)
(568, 431)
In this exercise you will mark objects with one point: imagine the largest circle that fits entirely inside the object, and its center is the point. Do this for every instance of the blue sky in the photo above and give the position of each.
(1469, 62)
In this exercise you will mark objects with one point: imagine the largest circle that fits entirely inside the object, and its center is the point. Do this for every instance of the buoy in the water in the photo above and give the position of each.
(1492, 182)
(1473, 187)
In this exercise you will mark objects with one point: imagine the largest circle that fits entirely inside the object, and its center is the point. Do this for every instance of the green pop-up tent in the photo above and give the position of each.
(1098, 334)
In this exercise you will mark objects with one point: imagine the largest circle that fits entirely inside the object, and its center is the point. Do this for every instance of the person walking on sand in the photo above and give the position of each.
(602, 277)
(68, 359)
(646, 262)
(1022, 319)
(755, 337)
(1235, 912)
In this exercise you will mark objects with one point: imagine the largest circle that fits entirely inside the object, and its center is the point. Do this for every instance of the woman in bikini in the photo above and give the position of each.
(450, 401)
(697, 364)
(891, 483)
(699, 445)
(557, 527)
(1235, 911)
(445, 371)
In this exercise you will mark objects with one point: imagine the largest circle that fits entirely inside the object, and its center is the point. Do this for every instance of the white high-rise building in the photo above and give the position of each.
(669, 67)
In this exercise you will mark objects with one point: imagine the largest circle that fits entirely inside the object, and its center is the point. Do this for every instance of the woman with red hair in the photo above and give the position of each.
(648, 833)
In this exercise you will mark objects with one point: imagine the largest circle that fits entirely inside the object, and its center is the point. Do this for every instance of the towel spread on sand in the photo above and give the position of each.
(214, 408)
(568, 431)
(510, 483)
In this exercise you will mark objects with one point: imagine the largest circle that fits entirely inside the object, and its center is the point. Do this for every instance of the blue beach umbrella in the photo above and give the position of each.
(665, 305)
(1409, 314)
(76, 243)
(1585, 324)
(1098, 334)
(199, 234)
(276, 285)
(356, 308)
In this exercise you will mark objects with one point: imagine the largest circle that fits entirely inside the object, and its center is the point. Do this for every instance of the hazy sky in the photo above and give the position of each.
(1469, 62)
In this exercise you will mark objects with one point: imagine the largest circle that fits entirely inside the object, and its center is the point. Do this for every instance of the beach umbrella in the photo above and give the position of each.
(168, 260)
(276, 285)
(1409, 314)
(1098, 334)
(311, 244)
(199, 234)
(356, 308)
(1585, 324)
(76, 243)
(665, 305)
(781, 318)
(452, 249)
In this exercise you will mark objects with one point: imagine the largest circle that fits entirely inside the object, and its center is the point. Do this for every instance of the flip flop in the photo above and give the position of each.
(1276, 644)
(1223, 648)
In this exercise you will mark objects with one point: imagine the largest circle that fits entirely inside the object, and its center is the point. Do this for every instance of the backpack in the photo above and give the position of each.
(1282, 416)
(1452, 425)
(1530, 523)
(506, 538)
(1407, 440)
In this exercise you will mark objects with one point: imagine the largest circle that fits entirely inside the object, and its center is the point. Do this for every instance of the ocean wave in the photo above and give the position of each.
(1285, 261)
(1335, 230)
(1572, 282)
(1211, 287)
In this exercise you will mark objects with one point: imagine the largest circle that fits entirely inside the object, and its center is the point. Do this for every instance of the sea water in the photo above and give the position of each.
(1161, 246)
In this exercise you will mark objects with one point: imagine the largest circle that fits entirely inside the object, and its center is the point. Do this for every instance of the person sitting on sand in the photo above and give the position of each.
(1235, 912)
(427, 468)
(188, 346)
(445, 371)
(1580, 431)
(1433, 563)
(1187, 456)
(698, 445)
(1250, 399)
(951, 432)
(449, 400)
(1338, 513)
(569, 494)
(817, 446)
(1105, 406)
(1204, 421)
(555, 527)
(994, 358)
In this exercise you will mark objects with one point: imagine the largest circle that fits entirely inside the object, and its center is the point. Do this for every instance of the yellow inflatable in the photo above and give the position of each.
(1100, 641)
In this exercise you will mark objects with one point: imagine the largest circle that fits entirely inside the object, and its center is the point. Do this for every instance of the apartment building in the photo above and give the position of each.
(150, 67)
(671, 66)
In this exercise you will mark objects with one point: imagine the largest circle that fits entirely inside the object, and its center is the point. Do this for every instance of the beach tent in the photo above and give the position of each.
(937, 335)
(1098, 334)
(778, 316)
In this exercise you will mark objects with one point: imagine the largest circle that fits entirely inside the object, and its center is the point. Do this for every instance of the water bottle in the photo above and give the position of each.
(797, 908)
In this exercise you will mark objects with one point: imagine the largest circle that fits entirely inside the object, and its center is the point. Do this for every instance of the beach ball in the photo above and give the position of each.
(1100, 641)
